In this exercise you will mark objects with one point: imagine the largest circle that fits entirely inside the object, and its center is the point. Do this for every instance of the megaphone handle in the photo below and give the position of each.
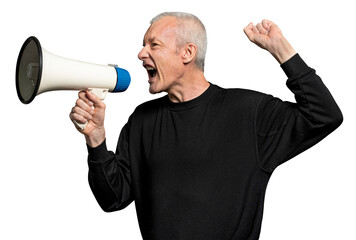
(99, 92)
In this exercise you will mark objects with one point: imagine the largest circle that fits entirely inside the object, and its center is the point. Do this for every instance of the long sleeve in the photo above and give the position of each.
(285, 129)
(110, 175)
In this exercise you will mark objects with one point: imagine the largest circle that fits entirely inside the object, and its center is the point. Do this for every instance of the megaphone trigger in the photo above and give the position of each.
(99, 92)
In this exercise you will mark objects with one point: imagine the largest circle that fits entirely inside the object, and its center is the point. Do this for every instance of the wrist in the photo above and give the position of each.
(284, 51)
(96, 137)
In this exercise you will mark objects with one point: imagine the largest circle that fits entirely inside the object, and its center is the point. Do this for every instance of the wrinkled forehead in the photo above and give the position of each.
(163, 28)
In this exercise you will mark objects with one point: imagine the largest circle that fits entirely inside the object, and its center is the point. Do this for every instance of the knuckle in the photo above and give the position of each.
(100, 104)
(83, 119)
(78, 118)
(77, 110)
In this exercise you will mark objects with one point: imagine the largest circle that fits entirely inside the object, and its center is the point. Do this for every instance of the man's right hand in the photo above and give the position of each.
(91, 109)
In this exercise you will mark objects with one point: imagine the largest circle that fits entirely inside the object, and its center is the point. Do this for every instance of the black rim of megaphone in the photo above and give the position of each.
(38, 82)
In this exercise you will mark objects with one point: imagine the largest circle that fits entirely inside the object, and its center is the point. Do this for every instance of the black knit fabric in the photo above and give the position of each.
(199, 169)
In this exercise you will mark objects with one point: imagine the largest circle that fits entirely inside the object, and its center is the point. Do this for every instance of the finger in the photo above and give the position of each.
(97, 102)
(261, 29)
(82, 95)
(82, 112)
(84, 106)
(267, 24)
(248, 30)
(79, 111)
(271, 25)
(77, 117)
(255, 30)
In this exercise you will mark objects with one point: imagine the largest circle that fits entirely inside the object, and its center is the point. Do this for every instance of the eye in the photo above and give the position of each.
(153, 44)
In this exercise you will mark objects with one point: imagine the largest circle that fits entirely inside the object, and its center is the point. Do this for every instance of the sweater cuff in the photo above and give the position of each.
(294, 66)
(98, 153)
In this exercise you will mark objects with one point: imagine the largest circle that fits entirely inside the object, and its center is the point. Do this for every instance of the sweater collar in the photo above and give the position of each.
(191, 103)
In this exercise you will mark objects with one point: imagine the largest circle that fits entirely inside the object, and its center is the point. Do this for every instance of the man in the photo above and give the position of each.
(197, 161)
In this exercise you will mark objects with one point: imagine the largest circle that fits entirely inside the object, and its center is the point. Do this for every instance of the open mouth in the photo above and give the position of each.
(152, 72)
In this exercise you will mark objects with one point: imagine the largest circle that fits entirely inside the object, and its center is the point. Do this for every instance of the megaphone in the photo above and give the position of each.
(38, 71)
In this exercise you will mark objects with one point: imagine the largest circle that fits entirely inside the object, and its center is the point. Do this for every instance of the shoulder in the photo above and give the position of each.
(242, 97)
(243, 93)
(149, 106)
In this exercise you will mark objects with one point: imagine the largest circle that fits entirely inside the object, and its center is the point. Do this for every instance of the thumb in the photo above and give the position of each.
(94, 99)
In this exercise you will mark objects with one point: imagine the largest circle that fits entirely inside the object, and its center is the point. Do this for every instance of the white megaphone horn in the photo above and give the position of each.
(39, 71)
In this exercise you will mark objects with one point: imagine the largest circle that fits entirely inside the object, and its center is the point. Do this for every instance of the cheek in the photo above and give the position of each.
(168, 65)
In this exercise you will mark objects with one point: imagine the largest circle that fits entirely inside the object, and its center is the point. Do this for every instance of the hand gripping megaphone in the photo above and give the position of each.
(39, 71)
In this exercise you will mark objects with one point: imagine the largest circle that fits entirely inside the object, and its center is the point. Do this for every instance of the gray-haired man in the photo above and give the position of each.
(197, 161)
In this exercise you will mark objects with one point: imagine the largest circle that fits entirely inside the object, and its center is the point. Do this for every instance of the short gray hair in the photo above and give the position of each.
(189, 30)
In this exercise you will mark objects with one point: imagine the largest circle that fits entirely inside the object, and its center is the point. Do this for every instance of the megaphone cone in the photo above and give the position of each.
(39, 71)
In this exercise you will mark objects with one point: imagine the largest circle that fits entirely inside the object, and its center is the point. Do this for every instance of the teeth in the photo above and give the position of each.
(151, 71)
(149, 68)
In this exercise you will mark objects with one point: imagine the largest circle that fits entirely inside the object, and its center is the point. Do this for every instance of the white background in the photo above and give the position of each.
(44, 192)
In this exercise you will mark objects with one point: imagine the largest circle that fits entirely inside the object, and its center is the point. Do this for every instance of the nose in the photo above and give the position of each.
(143, 54)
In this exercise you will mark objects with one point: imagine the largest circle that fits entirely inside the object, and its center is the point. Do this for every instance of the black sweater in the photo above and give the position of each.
(199, 169)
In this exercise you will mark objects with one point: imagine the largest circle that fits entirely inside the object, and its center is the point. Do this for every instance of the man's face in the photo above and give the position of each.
(160, 55)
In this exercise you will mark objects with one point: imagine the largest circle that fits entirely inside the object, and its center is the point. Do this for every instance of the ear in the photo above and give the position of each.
(189, 52)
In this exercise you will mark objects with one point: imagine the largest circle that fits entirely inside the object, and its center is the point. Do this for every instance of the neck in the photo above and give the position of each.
(189, 87)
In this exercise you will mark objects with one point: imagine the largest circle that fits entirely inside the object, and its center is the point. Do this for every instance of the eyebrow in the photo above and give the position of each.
(150, 40)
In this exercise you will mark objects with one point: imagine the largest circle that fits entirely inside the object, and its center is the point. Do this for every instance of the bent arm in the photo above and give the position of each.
(109, 174)
(285, 129)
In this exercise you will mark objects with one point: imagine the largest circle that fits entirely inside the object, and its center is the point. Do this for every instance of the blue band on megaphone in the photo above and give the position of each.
(123, 80)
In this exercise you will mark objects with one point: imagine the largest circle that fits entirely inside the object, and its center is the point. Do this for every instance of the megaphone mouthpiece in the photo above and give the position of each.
(123, 80)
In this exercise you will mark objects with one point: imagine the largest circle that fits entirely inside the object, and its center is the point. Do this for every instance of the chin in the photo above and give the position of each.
(154, 90)
(156, 87)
